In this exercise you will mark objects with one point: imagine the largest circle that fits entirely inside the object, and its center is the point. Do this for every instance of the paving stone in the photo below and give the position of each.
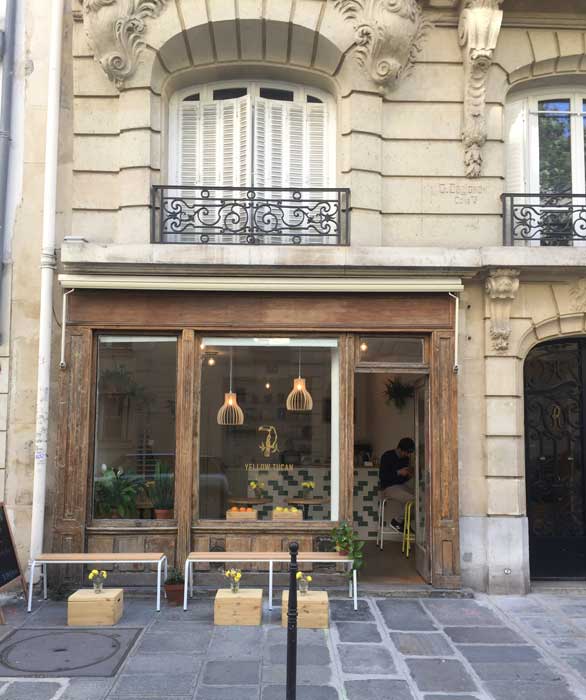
(218, 693)
(450, 697)
(440, 675)
(201, 610)
(578, 662)
(375, 689)
(358, 632)
(154, 684)
(526, 605)
(228, 672)
(550, 626)
(499, 654)
(164, 663)
(343, 610)
(82, 689)
(406, 615)
(276, 674)
(155, 643)
(189, 627)
(564, 645)
(517, 671)
(304, 692)
(414, 644)
(455, 612)
(484, 635)
(521, 690)
(311, 654)
(236, 643)
(366, 659)
(31, 690)
(574, 610)
(278, 635)
(51, 614)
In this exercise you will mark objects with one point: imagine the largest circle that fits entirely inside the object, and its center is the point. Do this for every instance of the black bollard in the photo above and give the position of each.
(292, 625)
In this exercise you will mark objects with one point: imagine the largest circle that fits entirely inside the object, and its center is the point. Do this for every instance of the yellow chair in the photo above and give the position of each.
(408, 536)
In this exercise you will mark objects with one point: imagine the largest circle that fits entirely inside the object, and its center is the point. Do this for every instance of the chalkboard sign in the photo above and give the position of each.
(9, 567)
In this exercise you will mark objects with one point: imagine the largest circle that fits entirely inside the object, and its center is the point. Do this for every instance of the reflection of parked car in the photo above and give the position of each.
(213, 484)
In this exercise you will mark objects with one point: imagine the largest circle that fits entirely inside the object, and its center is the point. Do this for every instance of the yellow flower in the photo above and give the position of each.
(238, 577)
(104, 574)
(299, 575)
(91, 576)
(95, 572)
(310, 579)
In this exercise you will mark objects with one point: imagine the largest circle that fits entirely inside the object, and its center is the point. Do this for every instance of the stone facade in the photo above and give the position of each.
(420, 90)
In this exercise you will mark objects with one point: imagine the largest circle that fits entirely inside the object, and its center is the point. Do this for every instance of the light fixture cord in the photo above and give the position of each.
(299, 375)
(231, 350)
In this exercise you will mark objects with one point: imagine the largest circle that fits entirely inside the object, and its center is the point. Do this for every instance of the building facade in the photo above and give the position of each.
(270, 211)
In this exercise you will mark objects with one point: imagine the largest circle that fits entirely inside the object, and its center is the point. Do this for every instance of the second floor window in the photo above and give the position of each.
(259, 134)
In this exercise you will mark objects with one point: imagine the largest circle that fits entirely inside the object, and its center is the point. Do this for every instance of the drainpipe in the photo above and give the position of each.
(48, 264)
(7, 53)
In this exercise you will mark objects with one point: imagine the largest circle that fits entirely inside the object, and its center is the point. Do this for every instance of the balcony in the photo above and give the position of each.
(250, 216)
(544, 219)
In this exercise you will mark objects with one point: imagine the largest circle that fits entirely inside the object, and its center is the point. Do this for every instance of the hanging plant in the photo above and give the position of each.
(396, 392)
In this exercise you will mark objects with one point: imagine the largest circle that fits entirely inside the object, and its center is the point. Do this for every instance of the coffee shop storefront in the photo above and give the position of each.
(196, 419)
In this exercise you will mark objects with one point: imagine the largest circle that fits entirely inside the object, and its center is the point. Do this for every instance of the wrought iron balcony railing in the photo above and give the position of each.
(544, 219)
(253, 216)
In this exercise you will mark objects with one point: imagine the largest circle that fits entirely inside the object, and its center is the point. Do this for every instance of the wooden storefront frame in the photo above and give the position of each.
(190, 315)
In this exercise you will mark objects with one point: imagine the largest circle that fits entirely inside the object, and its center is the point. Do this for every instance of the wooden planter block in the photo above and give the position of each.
(236, 515)
(297, 515)
(88, 609)
(242, 608)
(313, 610)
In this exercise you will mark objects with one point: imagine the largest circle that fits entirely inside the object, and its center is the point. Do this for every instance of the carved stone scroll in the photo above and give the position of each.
(479, 27)
(388, 36)
(115, 29)
(502, 286)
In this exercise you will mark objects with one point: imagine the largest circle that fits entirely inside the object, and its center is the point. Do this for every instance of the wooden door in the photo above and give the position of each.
(422, 482)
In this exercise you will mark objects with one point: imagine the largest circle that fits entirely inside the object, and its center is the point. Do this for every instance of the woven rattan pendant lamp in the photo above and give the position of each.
(299, 400)
(230, 412)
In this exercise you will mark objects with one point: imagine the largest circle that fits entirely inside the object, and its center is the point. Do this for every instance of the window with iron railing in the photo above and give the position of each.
(251, 162)
(545, 203)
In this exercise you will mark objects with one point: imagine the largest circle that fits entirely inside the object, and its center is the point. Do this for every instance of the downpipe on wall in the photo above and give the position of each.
(48, 264)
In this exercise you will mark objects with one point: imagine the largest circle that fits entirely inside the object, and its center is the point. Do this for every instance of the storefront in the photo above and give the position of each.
(193, 420)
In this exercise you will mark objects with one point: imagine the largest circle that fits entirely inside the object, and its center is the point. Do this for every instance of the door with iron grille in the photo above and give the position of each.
(554, 456)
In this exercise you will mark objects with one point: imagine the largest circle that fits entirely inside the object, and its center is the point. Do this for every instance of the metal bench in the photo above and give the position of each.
(266, 557)
(43, 560)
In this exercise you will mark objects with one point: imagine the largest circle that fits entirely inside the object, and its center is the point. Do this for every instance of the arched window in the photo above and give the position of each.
(252, 134)
(546, 135)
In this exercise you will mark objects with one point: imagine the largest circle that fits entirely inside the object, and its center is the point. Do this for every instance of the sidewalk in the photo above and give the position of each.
(531, 648)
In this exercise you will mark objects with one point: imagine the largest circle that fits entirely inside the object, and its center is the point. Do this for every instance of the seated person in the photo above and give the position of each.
(394, 473)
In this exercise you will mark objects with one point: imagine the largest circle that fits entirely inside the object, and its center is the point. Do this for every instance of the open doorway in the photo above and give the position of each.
(390, 406)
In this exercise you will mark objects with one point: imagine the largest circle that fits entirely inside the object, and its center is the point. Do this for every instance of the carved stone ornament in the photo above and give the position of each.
(388, 36)
(501, 287)
(479, 27)
(578, 295)
(115, 29)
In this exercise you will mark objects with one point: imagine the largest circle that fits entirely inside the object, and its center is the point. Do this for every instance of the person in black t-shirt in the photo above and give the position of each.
(394, 473)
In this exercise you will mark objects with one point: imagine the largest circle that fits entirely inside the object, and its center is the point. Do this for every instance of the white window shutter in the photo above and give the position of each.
(210, 165)
(517, 151)
(296, 138)
(189, 143)
(244, 152)
(260, 172)
(316, 152)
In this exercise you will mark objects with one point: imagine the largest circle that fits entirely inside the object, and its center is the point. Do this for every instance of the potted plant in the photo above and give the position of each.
(257, 488)
(161, 492)
(308, 487)
(174, 586)
(116, 493)
(396, 392)
(303, 582)
(234, 576)
(97, 578)
(347, 544)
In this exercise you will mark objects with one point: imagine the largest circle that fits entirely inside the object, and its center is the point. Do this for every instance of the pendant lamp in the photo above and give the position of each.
(299, 399)
(230, 412)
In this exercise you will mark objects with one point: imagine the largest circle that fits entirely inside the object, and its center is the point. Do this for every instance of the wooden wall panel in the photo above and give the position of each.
(347, 367)
(261, 312)
(444, 465)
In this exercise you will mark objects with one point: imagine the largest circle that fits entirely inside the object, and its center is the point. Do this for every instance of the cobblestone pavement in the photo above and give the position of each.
(531, 648)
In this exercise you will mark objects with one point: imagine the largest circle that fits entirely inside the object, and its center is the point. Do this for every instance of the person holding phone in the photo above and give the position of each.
(394, 473)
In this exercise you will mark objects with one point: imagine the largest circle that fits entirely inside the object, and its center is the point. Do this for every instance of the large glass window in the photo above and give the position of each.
(269, 429)
(134, 462)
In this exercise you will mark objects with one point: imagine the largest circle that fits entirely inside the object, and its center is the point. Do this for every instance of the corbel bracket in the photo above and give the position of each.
(478, 30)
(388, 37)
(115, 29)
(502, 286)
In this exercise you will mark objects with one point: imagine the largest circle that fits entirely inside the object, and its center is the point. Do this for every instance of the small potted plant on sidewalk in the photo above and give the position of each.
(347, 544)
(174, 586)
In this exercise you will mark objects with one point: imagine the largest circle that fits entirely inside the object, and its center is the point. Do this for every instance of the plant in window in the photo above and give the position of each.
(118, 380)
(308, 487)
(115, 493)
(257, 487)
(396, 392)
(161, 491)
(346, 542)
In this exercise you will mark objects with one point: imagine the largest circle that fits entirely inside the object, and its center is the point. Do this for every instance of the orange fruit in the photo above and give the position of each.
(242, 509)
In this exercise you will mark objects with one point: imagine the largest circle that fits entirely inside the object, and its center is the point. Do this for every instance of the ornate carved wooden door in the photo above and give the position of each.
(554, 455)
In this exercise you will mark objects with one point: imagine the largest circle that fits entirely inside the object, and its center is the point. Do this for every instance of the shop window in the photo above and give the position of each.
(393, 350)
(134, 463)
(253, 134)
(269, 429)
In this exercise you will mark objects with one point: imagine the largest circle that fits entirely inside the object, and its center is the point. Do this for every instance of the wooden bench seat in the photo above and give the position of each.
(266, 557)
(43, 560)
